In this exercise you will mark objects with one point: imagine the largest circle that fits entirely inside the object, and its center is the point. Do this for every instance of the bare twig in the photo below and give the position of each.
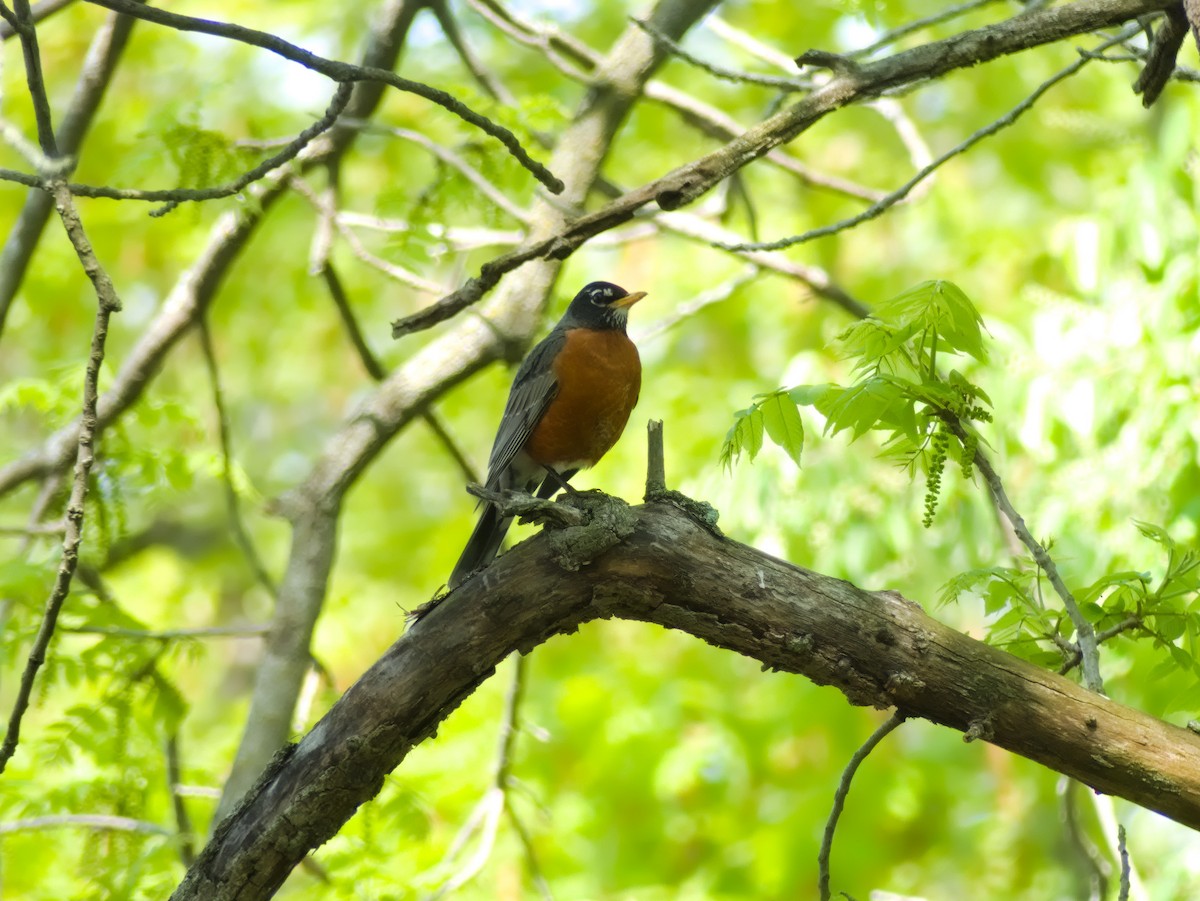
(769, 81)
(233, 507)
(475, 66)
(456, 162)
(107, 304)
(171, 634)
(22, 23)
(839, 798)
(37, 12)
(94, 77)
(33, 529)
(687, 183)
(881, 206)
(1123, 892)
(183, 822)
(341, 72)
(329, 219)
(1088, 648)
(83, 821)
(172, 197)
(891, 37)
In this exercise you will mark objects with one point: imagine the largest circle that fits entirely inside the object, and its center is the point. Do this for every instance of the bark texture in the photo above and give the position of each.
(660, 563)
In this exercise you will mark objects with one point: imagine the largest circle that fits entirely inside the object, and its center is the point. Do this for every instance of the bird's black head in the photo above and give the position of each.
(601, 305)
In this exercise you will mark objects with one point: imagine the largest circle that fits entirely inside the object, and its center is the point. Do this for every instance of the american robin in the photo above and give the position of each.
(567, 406)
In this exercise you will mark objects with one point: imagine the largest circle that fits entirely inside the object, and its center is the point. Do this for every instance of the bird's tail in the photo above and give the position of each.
(482, 546)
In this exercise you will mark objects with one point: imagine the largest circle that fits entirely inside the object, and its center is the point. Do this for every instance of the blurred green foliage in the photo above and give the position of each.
(649, 766)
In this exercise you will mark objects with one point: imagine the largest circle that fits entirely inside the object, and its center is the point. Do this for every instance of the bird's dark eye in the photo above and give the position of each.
(601, 296)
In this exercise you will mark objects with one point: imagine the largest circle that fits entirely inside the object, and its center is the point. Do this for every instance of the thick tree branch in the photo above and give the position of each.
(877, 647)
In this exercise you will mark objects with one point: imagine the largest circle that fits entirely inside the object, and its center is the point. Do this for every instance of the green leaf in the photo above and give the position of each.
(861, 407)
(1155, 533)
(744, 436)
(783, 425)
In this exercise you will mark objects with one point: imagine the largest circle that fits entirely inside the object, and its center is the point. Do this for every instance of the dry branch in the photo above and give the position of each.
(877, 647)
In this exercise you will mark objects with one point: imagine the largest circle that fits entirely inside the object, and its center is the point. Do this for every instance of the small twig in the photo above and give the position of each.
(83, 821)
(881, 206)
(716, 294)
(107, 304)
(529, 508)
(457, 454)
(475, 66)
(33, 529)
(839, 798)
(183, 822)
(890, 37)
(37, 12)
(456, 162)
(1123, 892)
(656, 465)
(233, 507)
(769, 81)
(170, 634)
(341, 72)
(329, 215)
(748, 43)
(21, 21)
(1098, 869)
(1087, 636)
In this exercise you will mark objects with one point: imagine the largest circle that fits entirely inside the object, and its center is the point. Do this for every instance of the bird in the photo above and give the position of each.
(568, 405)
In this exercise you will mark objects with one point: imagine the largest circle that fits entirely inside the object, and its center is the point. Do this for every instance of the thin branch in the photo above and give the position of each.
(839, 798)
(456, 162)
(172, 197)
(84, 821)
(556, 46)
(233, 507)
(38, 12)
(716, 294)
(170, 634)
(749, 43)
(183, 822)
(814, 278)
(1123, 892)
(687, 183)
(103, 54)
(769, 81)
(1087, 636)
(341, 72)
(34, 529)
(107, 304)
(328, 216)
(563, 50)
(366, 356)
(449, 25)
(891, 37)
(22, 23)
(881, 206)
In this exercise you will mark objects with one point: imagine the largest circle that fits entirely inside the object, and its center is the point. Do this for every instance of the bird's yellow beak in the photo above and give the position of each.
(629, 299)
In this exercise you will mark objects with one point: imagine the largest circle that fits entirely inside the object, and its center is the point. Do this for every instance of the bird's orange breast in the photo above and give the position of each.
(599, 377)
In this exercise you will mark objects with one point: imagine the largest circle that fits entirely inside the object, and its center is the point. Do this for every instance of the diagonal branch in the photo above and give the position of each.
(101, 61)
(107, 304)
(685, 184)
(341, 72)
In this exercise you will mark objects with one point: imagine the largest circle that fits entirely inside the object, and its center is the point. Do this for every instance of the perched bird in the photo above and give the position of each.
(568, 405)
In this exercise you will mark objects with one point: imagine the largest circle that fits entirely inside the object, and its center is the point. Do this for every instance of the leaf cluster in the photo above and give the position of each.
(925, 417)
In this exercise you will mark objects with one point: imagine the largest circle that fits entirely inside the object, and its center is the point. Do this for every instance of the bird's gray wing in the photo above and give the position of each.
(534, 386)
